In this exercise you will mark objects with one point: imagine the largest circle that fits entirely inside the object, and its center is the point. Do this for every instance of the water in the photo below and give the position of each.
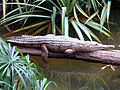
(72, 74)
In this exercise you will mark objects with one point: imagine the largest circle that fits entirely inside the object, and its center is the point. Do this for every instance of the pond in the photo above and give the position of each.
(80, 75)
(71, 74)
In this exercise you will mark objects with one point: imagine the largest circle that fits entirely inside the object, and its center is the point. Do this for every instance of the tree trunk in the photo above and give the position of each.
(102, 56)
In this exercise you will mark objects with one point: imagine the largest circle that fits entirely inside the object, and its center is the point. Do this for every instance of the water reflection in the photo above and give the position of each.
(80, 75)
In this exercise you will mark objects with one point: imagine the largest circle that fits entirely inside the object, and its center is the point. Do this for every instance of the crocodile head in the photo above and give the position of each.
(88, 46)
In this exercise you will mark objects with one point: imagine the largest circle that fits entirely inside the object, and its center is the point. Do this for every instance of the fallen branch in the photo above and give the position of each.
(102, 56)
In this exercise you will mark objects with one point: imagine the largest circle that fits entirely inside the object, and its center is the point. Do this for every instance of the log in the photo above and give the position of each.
(101, 56)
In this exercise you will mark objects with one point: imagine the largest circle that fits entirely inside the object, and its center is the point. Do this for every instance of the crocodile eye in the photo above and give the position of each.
(96, 44)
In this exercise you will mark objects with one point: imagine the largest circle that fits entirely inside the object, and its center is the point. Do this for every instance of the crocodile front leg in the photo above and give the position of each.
(70, 51)
(44, 53)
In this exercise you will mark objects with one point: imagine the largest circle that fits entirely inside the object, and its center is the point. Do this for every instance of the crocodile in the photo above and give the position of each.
(58, 43)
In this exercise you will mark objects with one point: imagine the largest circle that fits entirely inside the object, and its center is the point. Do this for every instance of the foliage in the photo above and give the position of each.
(17, 71)
(80, 14)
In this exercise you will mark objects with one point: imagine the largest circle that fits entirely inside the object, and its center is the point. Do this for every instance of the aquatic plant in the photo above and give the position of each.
(18, 72)
(58, 16)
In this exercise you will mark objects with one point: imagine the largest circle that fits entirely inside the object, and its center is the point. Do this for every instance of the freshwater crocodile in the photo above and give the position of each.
(54, 43)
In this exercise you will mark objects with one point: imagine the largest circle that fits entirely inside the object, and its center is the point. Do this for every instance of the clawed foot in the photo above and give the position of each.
(45, 60)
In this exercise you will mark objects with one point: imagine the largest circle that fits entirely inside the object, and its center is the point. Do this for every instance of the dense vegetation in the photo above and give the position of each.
(57, 16)
(17, 72)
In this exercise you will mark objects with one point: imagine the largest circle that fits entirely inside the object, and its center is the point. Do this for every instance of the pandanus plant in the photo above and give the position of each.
(58, 16)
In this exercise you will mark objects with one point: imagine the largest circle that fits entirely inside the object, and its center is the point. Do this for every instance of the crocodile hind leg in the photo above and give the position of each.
(44, 53)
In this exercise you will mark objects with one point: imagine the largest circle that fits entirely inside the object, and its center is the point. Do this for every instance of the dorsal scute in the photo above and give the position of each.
(24, 39)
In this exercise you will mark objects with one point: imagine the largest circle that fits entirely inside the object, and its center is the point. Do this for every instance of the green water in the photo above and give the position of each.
(70, 74)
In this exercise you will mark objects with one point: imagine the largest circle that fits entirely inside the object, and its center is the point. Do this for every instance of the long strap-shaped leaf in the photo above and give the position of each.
(71, 5)
(4, 8)
(103, 16)
(92, 16)
(63, 2)
(81, 11)
(79, 33)
(63, 19)
(53, 20)
(94, 5)
(96, 27)
(27, 27)
(30, 5)
(66, 27)
(108, 10)
(21, 77)
(19, 6)
(11, 12)
(81, 26)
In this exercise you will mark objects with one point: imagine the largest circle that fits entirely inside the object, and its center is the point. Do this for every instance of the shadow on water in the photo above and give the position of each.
(82, 75)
